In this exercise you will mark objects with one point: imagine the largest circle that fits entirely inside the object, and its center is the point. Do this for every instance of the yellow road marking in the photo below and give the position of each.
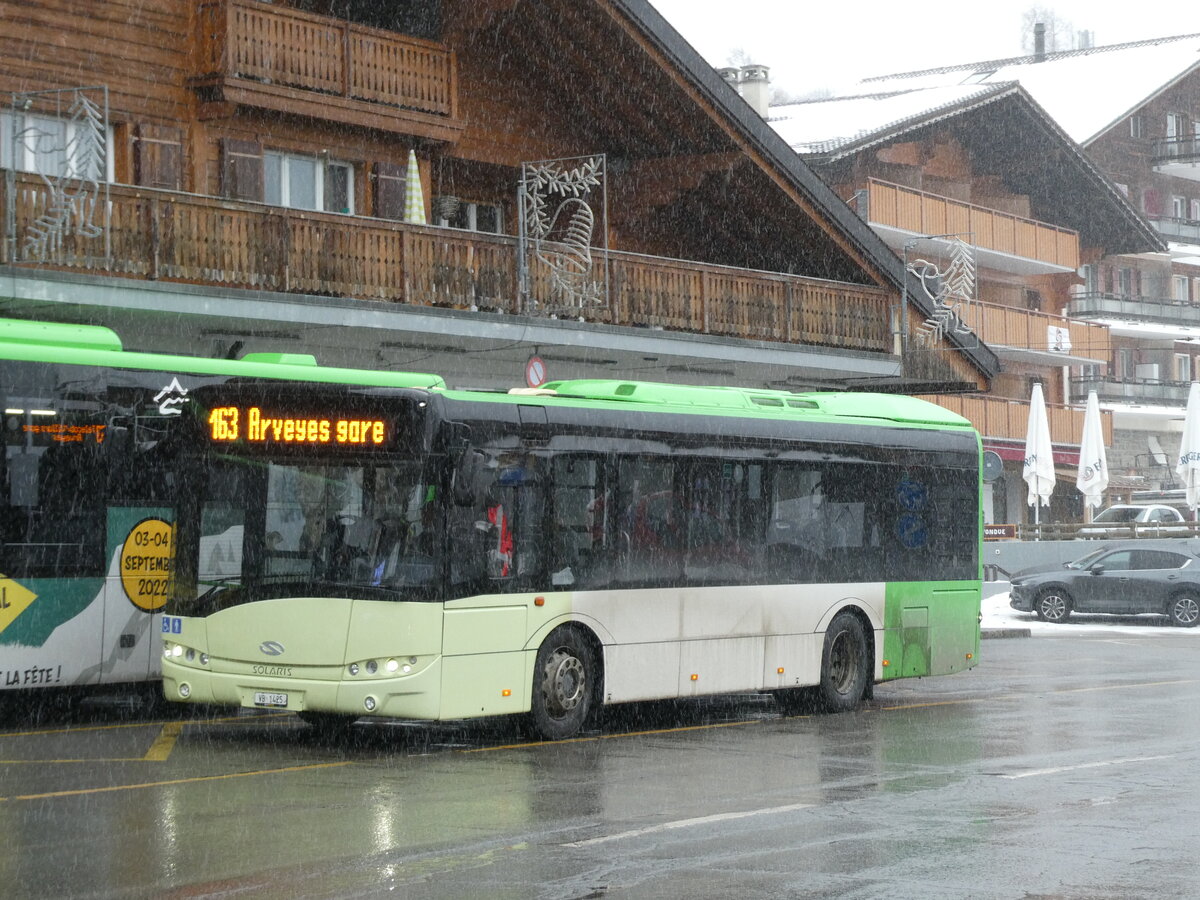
(196, 780)
(79, 730)
(164, 743)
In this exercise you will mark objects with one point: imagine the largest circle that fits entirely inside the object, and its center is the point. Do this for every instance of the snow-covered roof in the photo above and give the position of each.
(1085, 91)
(823, 126)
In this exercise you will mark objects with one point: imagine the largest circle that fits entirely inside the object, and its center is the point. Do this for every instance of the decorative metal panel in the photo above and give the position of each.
(563, 235)
(949, 281)
(61, 136)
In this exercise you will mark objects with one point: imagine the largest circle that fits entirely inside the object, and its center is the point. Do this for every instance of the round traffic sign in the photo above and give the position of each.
(535, 372)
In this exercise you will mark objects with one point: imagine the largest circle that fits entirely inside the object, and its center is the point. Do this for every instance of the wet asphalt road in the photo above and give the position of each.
(1062, 767)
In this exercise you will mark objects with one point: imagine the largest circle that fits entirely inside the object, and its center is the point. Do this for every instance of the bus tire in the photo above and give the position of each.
(565, 676)
(845, 664)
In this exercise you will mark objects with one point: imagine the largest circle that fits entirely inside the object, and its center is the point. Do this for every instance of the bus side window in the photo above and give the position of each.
(578, 520)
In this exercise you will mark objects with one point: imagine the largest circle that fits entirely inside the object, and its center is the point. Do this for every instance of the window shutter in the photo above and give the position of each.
(158, 157)
(390, 185)
(241, 169)
(1151, 202)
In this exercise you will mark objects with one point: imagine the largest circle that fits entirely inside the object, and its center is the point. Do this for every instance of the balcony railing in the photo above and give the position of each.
(1134, 391)
(1028, 329)
(1185, 230)
(1139, 309)
(171, 236)
(1002, 419)
(915, 211)
(1185, 149)
(280, 58)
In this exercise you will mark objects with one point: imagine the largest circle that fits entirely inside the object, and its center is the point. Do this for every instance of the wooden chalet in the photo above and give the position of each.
(225, 176)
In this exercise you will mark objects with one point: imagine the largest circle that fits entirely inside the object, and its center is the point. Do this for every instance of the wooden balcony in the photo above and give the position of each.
(169, 236)
(1002, 240)
(272, 57)
(1003, 419)
(1012, 331)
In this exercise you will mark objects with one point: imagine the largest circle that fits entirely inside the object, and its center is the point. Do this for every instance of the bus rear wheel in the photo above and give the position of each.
(564, 684)
(845, 664)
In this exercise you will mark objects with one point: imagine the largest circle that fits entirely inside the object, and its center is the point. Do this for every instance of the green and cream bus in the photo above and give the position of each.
(366, 549)
(91, 490)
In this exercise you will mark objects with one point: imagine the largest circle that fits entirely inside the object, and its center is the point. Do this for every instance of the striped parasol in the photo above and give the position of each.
(414, 197)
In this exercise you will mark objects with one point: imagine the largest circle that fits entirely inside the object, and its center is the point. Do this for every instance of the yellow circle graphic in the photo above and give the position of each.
(147, 560)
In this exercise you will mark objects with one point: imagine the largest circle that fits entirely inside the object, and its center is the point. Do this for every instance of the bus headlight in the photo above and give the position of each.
(185, 690)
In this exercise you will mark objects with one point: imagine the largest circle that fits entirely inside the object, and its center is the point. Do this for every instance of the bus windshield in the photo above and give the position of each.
(271, 528)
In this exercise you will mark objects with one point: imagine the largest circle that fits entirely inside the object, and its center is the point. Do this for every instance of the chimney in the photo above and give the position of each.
(755, 88)
(729, 75)
(1039, 42)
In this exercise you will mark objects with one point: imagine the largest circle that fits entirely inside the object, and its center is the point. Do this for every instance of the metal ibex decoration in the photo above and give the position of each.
(954, 291)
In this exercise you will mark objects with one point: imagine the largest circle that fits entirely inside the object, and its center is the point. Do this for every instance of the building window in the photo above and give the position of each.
(1091, 283)
(1194, 210)
(50, 146)
(1126, 363)
(467, 215)
(1125, 282)
(1179, 207)
(1175, 126)
(1179, 288)
(1135, 126)
(307, 182)
(1183, 367)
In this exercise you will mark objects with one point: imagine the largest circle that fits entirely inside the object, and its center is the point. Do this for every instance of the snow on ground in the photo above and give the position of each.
(998, 614)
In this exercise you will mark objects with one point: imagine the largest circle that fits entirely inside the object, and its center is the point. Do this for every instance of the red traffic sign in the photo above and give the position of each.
(535, 372)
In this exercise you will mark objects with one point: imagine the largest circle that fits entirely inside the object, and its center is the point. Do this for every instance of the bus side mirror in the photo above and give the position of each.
(467, 480)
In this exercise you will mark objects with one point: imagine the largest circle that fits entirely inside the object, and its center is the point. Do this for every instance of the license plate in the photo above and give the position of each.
(269, 698)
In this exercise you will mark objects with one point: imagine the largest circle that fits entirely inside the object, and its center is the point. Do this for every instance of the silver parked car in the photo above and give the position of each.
(1125, 579)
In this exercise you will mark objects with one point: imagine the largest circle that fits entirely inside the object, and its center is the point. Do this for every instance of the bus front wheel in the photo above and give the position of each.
(564, 684)
(845, 664)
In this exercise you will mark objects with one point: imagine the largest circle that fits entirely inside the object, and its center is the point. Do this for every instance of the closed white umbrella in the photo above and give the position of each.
(414, 197)
(1188, 468)
(1039, 454)
(1092, 480)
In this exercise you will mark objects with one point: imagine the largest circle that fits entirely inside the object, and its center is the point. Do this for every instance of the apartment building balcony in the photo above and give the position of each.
(1178, 156)
(1002, 420)
(1185, 231)
(1002, 241)
(1171, 314)
(1152, 392)
(170, 236)
(1023, 335)
(255, 54)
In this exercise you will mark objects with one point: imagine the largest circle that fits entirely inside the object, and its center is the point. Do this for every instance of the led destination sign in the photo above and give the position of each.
(252, 425)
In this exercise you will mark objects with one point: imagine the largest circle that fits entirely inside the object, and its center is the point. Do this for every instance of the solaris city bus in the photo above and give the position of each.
(91, 486)
(349, 550)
